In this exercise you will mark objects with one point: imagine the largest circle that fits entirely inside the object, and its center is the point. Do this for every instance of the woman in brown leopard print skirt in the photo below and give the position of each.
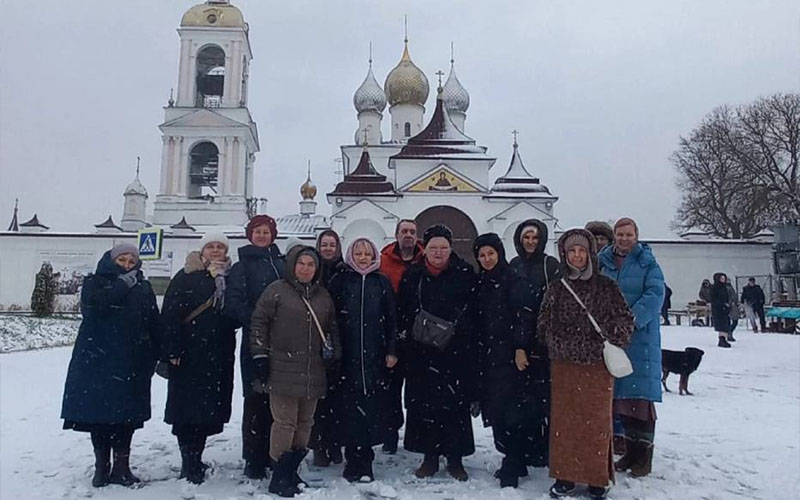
(582, 389)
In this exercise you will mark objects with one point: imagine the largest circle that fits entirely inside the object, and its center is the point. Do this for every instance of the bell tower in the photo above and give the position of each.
(209, 137)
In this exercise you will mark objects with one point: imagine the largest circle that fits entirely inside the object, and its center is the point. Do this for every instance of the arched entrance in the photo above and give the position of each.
(464, 232)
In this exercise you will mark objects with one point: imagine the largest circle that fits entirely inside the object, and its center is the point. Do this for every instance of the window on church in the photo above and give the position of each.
(203, 170)
(407, 130)
(210, 76)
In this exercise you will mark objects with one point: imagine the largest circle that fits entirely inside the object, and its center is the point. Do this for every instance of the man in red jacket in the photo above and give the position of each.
(395, 259)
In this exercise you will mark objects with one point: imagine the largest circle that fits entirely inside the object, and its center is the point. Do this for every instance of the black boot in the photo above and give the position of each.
(456, 469)
(102, 466)
(723, 342)
(282, 473)
(508, 473)
(335, 454)
(121, 472)
(629, 458)
(298, 454)
(644, 462)
(191, 466)
(730, 337)
(255, 469)
(429, 466)
(390, 444)
(561, 488)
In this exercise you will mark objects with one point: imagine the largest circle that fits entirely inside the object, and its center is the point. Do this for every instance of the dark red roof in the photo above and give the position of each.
(364, 179)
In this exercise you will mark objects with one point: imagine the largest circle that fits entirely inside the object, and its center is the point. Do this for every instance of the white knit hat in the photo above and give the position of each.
(214, 236)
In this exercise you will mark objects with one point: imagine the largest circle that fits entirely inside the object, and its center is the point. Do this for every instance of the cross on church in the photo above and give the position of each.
(138, 159)
(365, 130)
(440, 74)
(515, 132)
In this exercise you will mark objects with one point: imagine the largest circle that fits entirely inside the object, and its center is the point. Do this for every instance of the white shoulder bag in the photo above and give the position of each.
(617, 362)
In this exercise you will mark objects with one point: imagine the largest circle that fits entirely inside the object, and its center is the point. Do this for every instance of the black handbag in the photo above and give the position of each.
(430, 329)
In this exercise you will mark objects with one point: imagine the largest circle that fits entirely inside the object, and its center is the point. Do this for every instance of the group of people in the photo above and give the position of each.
(332, 338)
(725, 306)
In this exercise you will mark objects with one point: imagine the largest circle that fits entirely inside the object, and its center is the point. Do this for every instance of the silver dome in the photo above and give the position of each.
(456, 97)
(369, 96)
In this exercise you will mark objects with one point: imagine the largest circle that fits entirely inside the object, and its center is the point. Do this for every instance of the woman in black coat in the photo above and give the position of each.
(541, 269)
(365, 313)
(260, 263)
(324, 441)
(107, 392)
(504, 305)
(721, 308)
(199, 343)
(440, 384)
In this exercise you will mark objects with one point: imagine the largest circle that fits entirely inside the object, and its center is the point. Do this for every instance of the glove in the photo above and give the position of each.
(261, 369)
(130, 278)
(475, 409)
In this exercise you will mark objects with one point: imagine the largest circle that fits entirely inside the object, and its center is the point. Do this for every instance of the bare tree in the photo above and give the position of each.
(767, 142)
(718, 194)
(738, 171)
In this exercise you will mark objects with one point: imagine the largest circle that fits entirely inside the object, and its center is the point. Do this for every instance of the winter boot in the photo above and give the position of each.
(561, 488)
(321, 458)
(456, 469)
(255, 469)
(367, 475)
(620, 445)
(102, 466)
(121, 472)
(598, 492)
(335, 453)
(352, 469)
(723, 342)
(508, 473)
(730, 337)
(644, 462)
(298, 454)
(429, 467)
(191, 467)
(390, 444)
(282, 472)
(625, 461)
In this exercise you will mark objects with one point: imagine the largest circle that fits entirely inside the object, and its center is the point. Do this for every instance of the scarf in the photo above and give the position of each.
(218, 271)
(575, 273)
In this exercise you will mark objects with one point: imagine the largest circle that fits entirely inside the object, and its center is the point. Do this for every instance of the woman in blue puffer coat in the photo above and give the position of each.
(633, 266)
(107, 392)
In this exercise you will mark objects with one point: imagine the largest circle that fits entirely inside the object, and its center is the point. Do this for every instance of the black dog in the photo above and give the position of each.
(684, 363)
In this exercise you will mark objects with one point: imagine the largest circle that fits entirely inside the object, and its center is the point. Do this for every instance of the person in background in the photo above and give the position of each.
(753, 299)
(633, 266)
(440, 381)
(541, 270)
(733, 298)
(294, 341)
(199, 344)
(721, 309)
(107, 390)
(366, 319)
(667, 305)
(504, 310)
(396, 258)
(581, 426)
(324, 441)
(260, 263)
(602, 232)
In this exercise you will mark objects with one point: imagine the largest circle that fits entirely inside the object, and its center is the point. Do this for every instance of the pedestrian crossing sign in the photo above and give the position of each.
(149, 242)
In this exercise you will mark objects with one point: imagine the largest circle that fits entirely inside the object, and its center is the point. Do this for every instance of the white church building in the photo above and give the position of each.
(423, 168)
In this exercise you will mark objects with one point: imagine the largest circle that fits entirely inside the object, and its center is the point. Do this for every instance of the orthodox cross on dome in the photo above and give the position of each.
(366, 140)
(14, 225)
(440, 74)
(452, 54)
(405, 28)
(138, 160)
(515, 132)
(370, 53)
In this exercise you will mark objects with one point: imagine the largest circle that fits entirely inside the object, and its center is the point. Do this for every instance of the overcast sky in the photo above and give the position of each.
(599, 90)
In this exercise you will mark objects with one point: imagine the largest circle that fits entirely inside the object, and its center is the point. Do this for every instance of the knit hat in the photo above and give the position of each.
(123, 248)
(261, 220)
(437, 231)
(214, 236)
(489, 240)
(310, 251)
(576, 239)
(531, 227)
(600, 228)
(626, 221)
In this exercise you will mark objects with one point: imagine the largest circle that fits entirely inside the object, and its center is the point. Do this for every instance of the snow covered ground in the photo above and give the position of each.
(737, 437)
(20, 333)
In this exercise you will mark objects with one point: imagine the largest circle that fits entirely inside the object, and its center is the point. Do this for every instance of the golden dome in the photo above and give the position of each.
(406, 83)
(308, 190)
(214, 14)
